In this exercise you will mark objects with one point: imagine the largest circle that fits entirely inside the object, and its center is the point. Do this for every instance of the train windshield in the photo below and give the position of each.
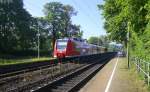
(61, 44)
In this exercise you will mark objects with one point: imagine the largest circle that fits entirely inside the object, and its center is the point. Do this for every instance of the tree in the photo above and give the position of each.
(6, 1)
(15, 25)
(44, 28)
(95, 41)
(59, 17)
(75, 31)
(119, 14)
(55, 24)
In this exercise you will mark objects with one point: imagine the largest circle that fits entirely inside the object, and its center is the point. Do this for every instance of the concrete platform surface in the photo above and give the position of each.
(114, 77)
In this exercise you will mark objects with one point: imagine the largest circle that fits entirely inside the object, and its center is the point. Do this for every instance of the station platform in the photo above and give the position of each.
(115, 77)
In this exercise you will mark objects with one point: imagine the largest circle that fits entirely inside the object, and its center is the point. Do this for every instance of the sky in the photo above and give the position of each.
(88, 15)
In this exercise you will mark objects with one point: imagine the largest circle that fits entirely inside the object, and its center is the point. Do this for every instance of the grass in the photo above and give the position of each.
(132, 77)
(18, 61)
(141, 77)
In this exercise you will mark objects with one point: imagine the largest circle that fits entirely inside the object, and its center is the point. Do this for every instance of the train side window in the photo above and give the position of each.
(75, 39)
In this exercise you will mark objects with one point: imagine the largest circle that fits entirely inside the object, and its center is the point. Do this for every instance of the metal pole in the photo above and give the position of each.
(38, 43)
(128, 55)
(148, 74)
(128, 38)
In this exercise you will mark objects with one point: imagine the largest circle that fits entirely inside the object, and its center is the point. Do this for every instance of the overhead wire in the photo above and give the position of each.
(91, 11)
(85, 12)
(75, 3)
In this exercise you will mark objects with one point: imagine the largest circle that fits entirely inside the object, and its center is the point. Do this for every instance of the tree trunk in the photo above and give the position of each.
(53, 43)
(53, 39)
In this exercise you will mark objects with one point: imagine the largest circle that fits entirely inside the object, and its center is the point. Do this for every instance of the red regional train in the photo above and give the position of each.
(75, 46)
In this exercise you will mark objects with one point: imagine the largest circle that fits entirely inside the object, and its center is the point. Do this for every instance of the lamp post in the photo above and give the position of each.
(128, 41)
(38, 42)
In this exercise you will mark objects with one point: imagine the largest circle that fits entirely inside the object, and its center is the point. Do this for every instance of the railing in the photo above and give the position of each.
(142, 67)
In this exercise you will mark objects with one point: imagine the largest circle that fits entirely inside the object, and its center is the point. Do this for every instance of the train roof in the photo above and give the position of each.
(74, 39)
(82, 40)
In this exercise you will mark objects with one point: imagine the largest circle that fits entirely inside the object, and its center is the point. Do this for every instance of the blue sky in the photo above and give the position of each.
(89, 17)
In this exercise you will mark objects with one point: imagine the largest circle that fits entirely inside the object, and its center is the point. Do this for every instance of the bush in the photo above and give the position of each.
(23, 54)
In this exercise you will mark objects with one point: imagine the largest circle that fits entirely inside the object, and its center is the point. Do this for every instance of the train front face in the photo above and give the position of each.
(60, 48)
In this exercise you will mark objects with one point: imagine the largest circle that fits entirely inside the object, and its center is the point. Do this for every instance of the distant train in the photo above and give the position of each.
(75, 46)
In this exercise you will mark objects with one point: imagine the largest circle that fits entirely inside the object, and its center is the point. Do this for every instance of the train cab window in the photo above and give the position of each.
(62, 44)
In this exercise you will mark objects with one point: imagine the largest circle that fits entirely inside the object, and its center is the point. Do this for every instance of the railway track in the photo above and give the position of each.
(76, 80)
(14, 69)
(22, 71)
(53, 73)
(28, 80)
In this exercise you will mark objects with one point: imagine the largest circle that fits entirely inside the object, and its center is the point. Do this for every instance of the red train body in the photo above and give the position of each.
(74, 46)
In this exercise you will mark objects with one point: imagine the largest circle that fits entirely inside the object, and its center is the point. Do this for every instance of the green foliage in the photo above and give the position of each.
(42, 25)
(75, 31)
(95, 41)
(19, 31)
(59, 18)
(112, 48)
(15, 22)
(102, 40)
(23, 61)
(16, 54)
(119, 13)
